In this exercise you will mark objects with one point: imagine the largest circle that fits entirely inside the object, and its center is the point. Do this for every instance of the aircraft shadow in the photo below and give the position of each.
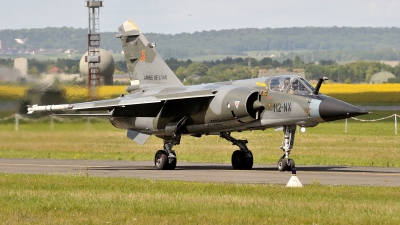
(336, 169)
(344, 169)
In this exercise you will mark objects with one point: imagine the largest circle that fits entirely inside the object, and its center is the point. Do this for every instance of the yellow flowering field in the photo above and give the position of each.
(359, 88)
(73, 93)
(373, 94)
(77, 93)
(106, 92)
(11, 92)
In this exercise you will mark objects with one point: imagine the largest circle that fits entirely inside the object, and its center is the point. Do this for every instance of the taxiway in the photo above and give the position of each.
(206, 172)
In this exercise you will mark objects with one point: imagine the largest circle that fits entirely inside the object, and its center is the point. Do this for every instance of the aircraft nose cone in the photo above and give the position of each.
(332, 109)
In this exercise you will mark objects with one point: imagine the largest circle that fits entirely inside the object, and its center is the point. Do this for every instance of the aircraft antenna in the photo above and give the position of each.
(93, 58)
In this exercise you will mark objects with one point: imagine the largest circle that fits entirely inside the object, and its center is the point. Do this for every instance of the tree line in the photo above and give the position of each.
(233, 69)
(318, 43)
(355, 72)
(191, 72)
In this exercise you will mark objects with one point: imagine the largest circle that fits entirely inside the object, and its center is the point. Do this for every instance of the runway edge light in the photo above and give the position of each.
(294, 181)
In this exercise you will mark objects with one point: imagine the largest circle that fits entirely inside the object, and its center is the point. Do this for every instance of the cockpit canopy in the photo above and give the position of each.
(291, 84)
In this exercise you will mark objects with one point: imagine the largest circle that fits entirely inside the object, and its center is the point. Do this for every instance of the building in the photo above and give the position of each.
(381, 77)
(21, 64)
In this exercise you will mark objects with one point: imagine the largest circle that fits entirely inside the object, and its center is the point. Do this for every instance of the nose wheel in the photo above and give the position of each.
(286, 165)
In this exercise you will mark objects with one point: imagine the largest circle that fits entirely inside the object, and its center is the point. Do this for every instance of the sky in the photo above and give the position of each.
(173, 16)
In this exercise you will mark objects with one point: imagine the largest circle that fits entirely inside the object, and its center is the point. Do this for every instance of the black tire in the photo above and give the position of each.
(248, 163)
(283, 165)
(240, 161)
(172, 165)
(161, 160)
(291, 165)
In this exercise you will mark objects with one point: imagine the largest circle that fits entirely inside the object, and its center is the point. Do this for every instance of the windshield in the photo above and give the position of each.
(298, 88)
(308, 84)
(291, 84)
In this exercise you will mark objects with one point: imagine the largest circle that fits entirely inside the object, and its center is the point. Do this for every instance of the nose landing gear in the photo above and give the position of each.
(285, 163)
(166, 159)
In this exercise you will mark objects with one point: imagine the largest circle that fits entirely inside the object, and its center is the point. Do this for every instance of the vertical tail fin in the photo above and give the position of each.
(145, 66)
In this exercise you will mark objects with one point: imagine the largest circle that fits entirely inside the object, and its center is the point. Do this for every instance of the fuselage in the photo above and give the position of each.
(251, 104)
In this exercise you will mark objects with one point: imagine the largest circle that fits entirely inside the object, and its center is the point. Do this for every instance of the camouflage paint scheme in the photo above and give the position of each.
(159, 104)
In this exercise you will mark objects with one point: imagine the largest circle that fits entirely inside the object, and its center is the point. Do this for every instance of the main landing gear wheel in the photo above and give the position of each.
(286, 165)
(162, 162)
(241, 159)
(242, 162)
(166, 159)
(172, 162)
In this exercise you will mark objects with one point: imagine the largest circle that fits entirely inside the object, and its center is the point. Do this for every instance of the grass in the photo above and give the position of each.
(63, 199)
(53, 199)
(365, 144)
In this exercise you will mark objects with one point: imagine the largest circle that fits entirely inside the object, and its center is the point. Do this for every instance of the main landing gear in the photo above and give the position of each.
(166, 159)
(242, 159)
(285, 163)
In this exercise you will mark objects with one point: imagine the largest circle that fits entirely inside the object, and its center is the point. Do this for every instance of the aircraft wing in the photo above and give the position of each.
(137, 106)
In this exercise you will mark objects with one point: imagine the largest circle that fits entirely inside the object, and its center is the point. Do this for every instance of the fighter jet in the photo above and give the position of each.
(159, 104)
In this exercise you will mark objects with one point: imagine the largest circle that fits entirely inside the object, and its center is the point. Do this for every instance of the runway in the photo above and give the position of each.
(206, 172)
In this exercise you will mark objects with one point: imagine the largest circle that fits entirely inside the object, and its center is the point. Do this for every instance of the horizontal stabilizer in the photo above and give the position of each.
(138, 137)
